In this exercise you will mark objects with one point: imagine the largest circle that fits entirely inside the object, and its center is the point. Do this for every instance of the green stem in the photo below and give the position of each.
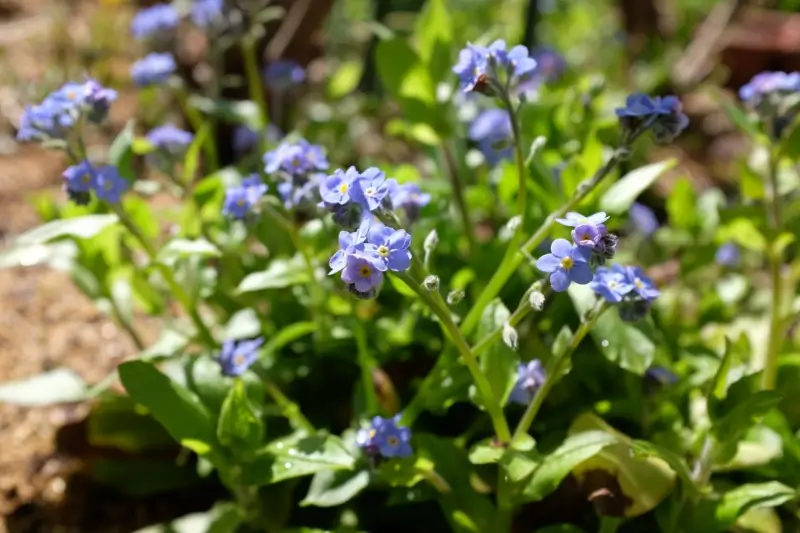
(775, 259)
(127, 326)
(514, 258)
(196, 120)
(515, 318)
(254, 81)
(289, 409)
(174, 286)
(451, 169)
(522, 170)
(701, 472)
(555, 370)
(441, 310)
(367, 364)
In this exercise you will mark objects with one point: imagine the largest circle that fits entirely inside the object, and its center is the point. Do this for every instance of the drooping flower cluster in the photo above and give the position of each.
(571, 262)
(664, 117)
(627, 286)
(297, 166)
(237, 356)
(367, 253)
(153, 69)
(63, 108)
(385, 439)
(493, 70)
(241, 200)
(82, 179)
(410, 198)
(775, 96)
(530, 377)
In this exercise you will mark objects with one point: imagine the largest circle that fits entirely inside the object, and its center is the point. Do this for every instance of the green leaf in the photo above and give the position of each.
(175, 408)
(745, 233)
(730, 428)
(447, 383)
(620, 196)
(330, 488)
(286, 336)
(244, 324)
(405, 472)
(643, 448)
(434, 39)
(297, 456)
(400, 286)
(239, 426)
(83, 227)
(681, 204)
(406, 78)
(499, 362)
(191, 161)
(280, 273)
(715, 516)
(719, 387)
(345, 80)
(182, 248)
(56, 386)
(120, 153)
(559, 463)
(486, 451)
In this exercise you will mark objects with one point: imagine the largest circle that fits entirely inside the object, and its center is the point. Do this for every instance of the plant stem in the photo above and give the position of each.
(196, 121)
(701, 472)
(367, 364)
(127, 326)
(514, 258)
(451, 169)
(175, 287)
(775, 259)
(290, 409)
(515, 318)
(441, 310)
(254, 82)
(555, 369)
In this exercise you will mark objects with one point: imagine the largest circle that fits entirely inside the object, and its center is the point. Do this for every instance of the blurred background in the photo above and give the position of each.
(698, 49)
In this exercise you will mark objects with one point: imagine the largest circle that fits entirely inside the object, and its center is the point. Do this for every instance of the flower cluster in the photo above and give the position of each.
(153, 69)
(493, 70)
(241, 200)
(154, 20)
(776, 97)
(530, 377)
(237, 357)
(81, 179)
(385, 439)
(573, 261)
(297, 166)
(627, 286)
(63, 108)
(206, 13)
(170, 139)
(367, 253)
(663, 116)
(491, 131)
(410, 198)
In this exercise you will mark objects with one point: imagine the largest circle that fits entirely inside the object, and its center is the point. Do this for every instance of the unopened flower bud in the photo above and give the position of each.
(514, 223)
(431, 283)
(431, 241)
(536, 300)
(455, 296)
(510, 336)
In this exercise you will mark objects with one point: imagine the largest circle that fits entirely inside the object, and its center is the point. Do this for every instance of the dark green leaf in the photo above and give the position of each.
(499, 362)
(239, 425)
(297, 456)
(643, 448)
(434, 38)
(330, 488)
(715, 516)
(486, 452)
(405, 472)
(731, 427)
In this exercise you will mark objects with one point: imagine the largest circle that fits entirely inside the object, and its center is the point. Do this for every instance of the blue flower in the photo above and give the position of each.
(410, 198)
(170, 138)
(296, 158)
(153, 69)
(664, 116)
(643, 219)
(371, 187)
(549, 63)
(80, 178)
(205, 13)
(361, 274)
(489, 70)
(385, 438)
(98, 100)
(48, 120)
(566, 263)
(284, 74)
(520, 62)
(110, 185)
(728, 255)
(390, 248)
(245, 139)
(472, 68)
(338, 187)
(573, 219)
(612, 283)
(237, 357)
(766, 84)
(643, 285)
(491, 130)
(530, 377)
(153, 20)
(241, 199)
(586, 235)
(350, 244)
(661, 375)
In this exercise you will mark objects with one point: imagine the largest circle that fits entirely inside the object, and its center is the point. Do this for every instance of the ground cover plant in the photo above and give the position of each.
(475, 338)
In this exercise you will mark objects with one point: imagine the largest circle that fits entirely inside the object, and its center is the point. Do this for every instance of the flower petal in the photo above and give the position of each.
(559, 280)
(561, 248)
(548, 263)
(581, 274)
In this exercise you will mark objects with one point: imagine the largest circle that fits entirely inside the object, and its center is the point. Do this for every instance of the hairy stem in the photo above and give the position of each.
(367, 365)
(451, 168)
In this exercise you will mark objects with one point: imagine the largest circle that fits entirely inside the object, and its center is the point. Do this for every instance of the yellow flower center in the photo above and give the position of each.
(372, 433)
(638, 283)
(86, 178)
(108, 185)
(365, 271)
(238, 359)
(71, 95)
(296, 161)
(612, 284)
(567, 263)
(240, 202)
(383, 251)
(393, 441)
(343, 188)
(586, 237)
(370, 191)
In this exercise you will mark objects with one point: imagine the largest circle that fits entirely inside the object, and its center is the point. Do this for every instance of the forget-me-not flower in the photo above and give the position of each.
(110, 185)
(238, 356)
(643, 219)
(360, 272)
(410, 198)
(566, 263)
(81, 177)
(284, 74)
(390, 248)
(612, 283)
(296, 158)
(573, 219)
(642, 284)
(728, 255)
(371, 187)
(766, 84)
(491, 131)
(153, 69)
(206, 13)
(338, 187)
(385, 438)
(154, 20)
(351, 243)
(662, 115)
(530, 377)
(48, 120)
(170, 138)
(241, 199)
